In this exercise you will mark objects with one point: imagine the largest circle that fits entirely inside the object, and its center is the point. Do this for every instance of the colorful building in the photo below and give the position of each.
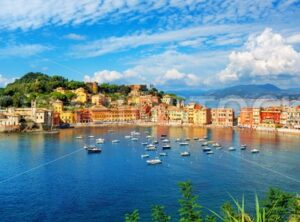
(81, 96)
(222, 117)
(246, 117)
(270, 116)
(202, 116)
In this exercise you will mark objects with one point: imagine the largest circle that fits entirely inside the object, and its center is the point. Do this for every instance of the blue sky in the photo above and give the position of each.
(172, 44)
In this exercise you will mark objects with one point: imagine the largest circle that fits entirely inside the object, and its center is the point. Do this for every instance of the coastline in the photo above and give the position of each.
(282, 131)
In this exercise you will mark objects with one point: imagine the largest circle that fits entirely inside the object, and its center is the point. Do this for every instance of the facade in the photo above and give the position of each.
(202, 116)
(177, 115)
(246, 117)
(169, 100)
(93, 87)
(293, 117)
(222, 117)
(159, 114)
(270, 117)
(67, 117)
(58, 106)
(9, 120)
(99, 99)
(81, 96)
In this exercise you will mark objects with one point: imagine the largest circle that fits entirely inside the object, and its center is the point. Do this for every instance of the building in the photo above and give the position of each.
(58, 106)
(9, 120)
(168, 99)
(81, 96)
(100, 99)
(177, 115)
(190, 109)
(83, 116)
(246, 117)
(270, 116)
(159, 114)
(202, 116)
(293, 117)
(60, 90)
(222, 117)
(136, 89)
(145, 112)
(67, 117)
(93, 87)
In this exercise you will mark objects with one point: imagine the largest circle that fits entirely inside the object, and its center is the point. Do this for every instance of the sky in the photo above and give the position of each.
(173, 44)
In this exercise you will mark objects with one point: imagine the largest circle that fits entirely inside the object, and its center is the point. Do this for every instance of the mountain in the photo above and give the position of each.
(255, 91)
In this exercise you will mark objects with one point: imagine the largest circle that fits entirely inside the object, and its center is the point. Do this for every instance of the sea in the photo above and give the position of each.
(51, 177)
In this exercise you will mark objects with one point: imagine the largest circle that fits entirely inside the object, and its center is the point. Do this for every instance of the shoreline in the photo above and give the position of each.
(280, 131)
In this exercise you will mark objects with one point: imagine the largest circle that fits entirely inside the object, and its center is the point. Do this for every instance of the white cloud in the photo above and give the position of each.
(19, 14)
(267, 57)
(293, 39)
(22, 50)
(104, 76)
(184, 37)
(4, 80)
(73, 36)
(175, 77)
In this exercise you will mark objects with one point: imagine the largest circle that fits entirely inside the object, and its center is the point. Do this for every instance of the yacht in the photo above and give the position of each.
(151, 147)
(166, 147)
(254, 151)
(93, 149)
(100, 140)
(145, 156)
(206, 149)
(184, 144)
(185, 153)
(231, 148)
(154, 161)
(115, 141)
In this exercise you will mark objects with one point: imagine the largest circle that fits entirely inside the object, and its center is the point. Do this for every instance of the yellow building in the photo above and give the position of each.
(202, 116)
(81, 95)
(60, 90)
(58, 106)
(177, 115)
(67, 117)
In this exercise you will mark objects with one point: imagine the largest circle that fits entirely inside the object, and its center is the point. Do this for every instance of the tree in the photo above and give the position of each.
(132, 217)
(210, 218)
(189, 210)
(59, 96)
(6, 101)
(158, 214)
(279, 205)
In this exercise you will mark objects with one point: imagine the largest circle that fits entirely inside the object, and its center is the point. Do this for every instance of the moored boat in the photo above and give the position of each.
(184, 144)
(254, 151)
(185, 153)
(100, 140)
(206, 149)
(127, 137)
(231, 148)
(154, 161)
(166, 147)
(163, 154)
(134, 139)
(79, 137)
(145, 156)
(209, 152)
(93, 149)
(204, 144)
(91, 136)
(115, 141)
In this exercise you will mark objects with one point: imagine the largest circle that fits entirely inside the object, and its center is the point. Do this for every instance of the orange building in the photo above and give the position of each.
(246, 117)
(270, 115)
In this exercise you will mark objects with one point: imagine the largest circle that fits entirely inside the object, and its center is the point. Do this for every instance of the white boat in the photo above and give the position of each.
(243, 145)
(216, 145)
(210, 152)
(145, 156)
(201, 140)
(243, 148)
(185, 153)
(205, 137)
(134, 133)
(218, 148)
(166, 147)
(93, 149)
(79, 137)
(144, 143)
(184, 144)
(134, 139)
(187, 139)
(254, 151)
(151, 148)
(178, 140)
(206, 149)
(85, 147)
(163, 154)
(127, 137)
(148, 137)
(231, 148)
(154, 161)
(204, 144)
(165, 141)
(155, 142)
(100, 140)
(196, 138)
(91, 136)
(150, 145)
(115, 141)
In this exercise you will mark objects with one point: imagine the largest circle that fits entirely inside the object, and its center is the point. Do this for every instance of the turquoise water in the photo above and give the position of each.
(51, 178)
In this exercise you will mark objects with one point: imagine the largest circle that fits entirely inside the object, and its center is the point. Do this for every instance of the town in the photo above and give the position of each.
(141, 106)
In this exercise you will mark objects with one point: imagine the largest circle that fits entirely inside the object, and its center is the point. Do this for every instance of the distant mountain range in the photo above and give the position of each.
(251, 91)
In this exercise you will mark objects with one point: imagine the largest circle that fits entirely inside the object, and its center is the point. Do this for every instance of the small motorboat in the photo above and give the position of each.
(85, 147)
(196, 138)
(218, 148)
(254, 151)
(163, 135)
(93, 150)
(204, 144)
(243, 145)
(151, 147)
(99, 140)
(127, 137)
(144, 143)
(155, 142)
(79, 137)
(206, 149)
(134, 139)
(163, 154)
(201, 140)
(145, 156)
(216, 145)
(187, 139)
(148, 137)
(165, 141)
(166, 147)
(154, 161)
(209, 152)
(242, 148)
(91, 136)
(115, 141)
(231, 148)
(185, 153)
(178, 140)
(205, 137)
(184, 144)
